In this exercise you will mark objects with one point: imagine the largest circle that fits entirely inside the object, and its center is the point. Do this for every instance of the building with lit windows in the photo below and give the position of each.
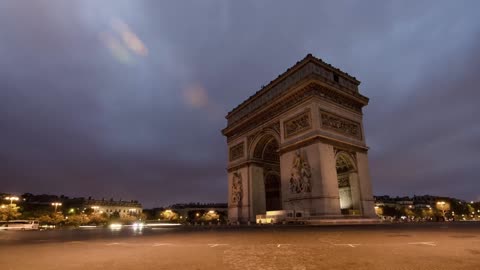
(123, 208)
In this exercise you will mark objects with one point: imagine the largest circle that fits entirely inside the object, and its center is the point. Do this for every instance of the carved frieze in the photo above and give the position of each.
(340, 125)
(280, 107)
(237, 151)
(301, 175)
(338, 99)
(266, 94)
(277, 109)
(274, 91)
(237, 190)
(297, 124)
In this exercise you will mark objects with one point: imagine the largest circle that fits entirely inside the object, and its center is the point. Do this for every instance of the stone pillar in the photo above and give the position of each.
(234, 214)
(299, 201)
(367, 201)
(323, 200)
(239, 212)
(355, 192)
(257, 191)
(330, 205)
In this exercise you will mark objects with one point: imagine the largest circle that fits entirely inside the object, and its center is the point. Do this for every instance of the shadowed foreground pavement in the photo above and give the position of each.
(401, 246)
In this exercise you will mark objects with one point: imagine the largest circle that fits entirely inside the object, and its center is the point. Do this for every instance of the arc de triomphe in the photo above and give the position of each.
(298, 145)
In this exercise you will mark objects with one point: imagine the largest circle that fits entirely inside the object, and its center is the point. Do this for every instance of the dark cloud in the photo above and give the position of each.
(84, 110)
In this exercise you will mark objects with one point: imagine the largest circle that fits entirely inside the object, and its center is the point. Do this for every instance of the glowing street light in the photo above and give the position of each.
(442, 205)
(56, 204)
(12, 198)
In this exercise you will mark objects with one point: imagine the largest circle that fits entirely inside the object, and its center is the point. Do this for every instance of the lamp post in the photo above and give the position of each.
(12, 198)
(56, 204)
(442, 205)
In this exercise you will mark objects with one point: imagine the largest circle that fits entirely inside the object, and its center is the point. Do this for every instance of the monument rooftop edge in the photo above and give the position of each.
(309, 67)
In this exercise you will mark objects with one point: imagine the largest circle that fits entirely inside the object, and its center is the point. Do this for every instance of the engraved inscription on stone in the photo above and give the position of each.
(341, 125)
(236, 151)
(297, 124)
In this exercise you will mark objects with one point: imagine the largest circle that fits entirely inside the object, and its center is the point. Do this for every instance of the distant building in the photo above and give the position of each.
(33, 202)
(190, 209)
(420, 202)
(123, 208)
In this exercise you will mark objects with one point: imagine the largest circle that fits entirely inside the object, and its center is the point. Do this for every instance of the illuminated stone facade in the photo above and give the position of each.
(298, 145)
(109, 207)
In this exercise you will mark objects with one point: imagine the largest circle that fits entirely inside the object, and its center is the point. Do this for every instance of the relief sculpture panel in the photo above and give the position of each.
(237, 190)
(237, 151)
(297, 145)
(301, 175)
(340, 125)
(297, 124)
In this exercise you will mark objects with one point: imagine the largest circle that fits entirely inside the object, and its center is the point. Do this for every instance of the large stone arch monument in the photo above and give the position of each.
(298, 145)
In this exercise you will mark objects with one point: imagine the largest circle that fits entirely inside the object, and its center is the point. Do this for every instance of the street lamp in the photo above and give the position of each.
(12, 198)
(56, 204)
(442, 205)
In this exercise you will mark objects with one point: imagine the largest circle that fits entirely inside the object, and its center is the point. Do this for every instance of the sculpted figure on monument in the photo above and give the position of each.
(237, 188)
(301, 175)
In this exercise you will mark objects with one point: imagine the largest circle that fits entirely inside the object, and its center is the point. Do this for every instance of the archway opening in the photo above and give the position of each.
(346, 178)
(266, 154)
(272, 192)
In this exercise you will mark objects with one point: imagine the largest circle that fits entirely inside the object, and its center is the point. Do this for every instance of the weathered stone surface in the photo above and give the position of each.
(237, 151)
(318, 154)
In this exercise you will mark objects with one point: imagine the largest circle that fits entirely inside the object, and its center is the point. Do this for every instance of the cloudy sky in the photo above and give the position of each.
(126, 99)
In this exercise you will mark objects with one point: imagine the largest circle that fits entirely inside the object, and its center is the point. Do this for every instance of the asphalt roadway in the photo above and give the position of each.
(382, 246)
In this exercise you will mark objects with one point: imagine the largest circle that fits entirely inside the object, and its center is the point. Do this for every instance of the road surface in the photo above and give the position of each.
(386, 246)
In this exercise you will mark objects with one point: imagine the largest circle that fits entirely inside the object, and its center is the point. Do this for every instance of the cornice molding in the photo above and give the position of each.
(309, 65)
(310, 89)
(287, 147)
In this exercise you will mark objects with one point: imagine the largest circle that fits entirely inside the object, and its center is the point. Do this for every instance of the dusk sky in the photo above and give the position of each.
(126, 99)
